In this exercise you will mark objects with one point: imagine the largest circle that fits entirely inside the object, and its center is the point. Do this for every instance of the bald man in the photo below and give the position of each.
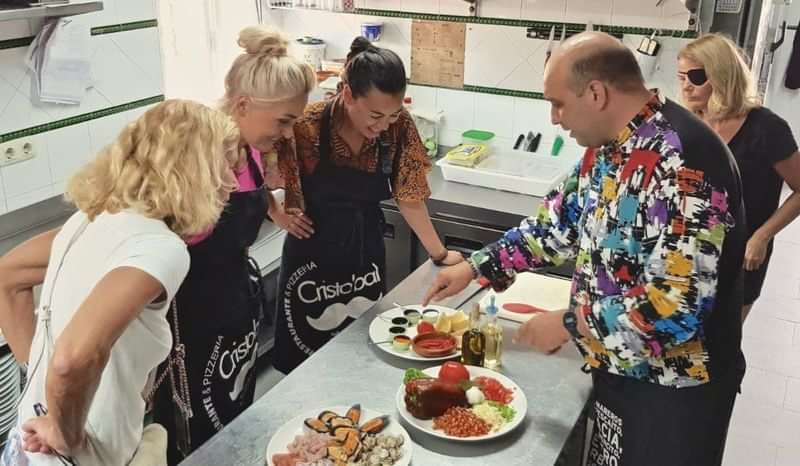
(653, 216)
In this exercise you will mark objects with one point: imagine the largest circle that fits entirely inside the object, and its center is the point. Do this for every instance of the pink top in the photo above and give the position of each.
(247, 183)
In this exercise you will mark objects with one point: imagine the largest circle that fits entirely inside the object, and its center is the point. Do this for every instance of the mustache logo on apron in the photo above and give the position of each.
(334, 315)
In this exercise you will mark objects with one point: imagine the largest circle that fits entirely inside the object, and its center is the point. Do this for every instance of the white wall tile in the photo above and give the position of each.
(12, 67)
(59, 187)
(3, 206)
(19, 113)
(636, 13)
(23, 177)
(393, 5)
(459, 109)
(511, 9)
(423, 97)
(117, 77)
(141, 48)
(792, 400)
(38, 195)
(69, 149)
(495, 113)
(15, 29)
(104, 131)
(769, 329)
(675, 15)
(454, 7)
(533, 115)
(584, 11)
(503, 57)
(128, 11)
(544, 10)
(421, 6)
(762, 423)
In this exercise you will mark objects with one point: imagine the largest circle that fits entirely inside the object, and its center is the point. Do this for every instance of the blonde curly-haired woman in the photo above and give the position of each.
(718, 86)
(108, 277)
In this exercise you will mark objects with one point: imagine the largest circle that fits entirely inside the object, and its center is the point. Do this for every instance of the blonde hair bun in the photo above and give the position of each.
(261, 40)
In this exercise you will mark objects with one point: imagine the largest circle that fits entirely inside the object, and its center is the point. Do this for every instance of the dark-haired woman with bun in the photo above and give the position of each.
(209, 378)
(352, 152)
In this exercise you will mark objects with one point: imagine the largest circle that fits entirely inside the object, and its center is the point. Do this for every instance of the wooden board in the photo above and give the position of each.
(437, 53)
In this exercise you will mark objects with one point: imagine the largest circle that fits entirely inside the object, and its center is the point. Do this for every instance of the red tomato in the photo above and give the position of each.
(454, 372)
(494, 390)
(425, 327)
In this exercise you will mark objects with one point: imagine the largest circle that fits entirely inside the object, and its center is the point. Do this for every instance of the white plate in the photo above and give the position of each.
(379, 331)
(519, 403)
(286, 434)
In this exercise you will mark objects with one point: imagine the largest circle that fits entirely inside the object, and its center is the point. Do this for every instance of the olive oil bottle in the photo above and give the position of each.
(493, 333)
(473, 343)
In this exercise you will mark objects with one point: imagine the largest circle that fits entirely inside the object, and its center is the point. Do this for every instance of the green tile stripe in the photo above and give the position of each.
(96, 31)
(572, 28)
(78, 119)
(487, 90)
(504, 92)
(114, 28)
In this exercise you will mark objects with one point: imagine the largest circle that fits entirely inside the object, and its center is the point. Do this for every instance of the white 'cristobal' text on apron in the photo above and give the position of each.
(311, 292)
(606, 444)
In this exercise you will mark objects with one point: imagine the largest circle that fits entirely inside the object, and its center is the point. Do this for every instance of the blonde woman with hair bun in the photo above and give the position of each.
(109, 275)
(209, 378)
(718, 86)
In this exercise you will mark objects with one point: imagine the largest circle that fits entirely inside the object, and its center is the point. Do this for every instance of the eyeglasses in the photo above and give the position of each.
(696, 76)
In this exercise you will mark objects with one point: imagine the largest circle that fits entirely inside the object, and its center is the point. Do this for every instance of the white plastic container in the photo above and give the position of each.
(310, 50)
(516, 171)
(476, 136)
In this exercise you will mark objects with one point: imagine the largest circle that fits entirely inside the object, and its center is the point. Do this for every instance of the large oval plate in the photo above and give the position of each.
(379, 332)
(286, 434)
(520, 405)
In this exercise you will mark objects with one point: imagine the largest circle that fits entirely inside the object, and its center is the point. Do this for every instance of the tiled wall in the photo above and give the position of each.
(496, 56)
(644, 13)
(126, 67)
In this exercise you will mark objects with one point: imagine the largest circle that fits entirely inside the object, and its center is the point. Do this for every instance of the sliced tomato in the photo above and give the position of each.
(493, 390)
(454, 372)
(425, 327)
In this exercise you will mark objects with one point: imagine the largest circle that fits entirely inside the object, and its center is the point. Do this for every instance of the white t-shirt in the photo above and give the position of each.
(125, 239)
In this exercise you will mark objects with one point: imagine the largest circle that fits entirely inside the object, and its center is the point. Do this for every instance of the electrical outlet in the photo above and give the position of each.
(17, 150)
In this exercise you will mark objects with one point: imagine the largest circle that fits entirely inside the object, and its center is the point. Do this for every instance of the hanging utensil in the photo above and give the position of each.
(550, 45)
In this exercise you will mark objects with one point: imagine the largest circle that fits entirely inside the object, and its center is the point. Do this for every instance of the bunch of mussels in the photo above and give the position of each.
(347, 436)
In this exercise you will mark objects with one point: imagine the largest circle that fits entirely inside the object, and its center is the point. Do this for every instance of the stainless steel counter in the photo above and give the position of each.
(348, 371)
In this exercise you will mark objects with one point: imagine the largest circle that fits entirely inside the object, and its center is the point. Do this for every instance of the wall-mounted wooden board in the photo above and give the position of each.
(437, 53)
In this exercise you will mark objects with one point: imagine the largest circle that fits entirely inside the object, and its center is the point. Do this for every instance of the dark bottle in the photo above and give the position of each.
(473, 343)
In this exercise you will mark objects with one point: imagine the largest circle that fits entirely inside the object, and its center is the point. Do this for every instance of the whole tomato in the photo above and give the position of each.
(454, 372)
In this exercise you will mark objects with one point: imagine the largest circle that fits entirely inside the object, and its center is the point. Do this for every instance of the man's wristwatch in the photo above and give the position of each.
(571, 324)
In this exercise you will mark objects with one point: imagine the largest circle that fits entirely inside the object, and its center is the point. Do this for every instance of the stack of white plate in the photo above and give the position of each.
(9, 392)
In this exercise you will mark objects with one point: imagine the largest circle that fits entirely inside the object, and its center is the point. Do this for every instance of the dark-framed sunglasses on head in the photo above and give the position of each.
(696, 76)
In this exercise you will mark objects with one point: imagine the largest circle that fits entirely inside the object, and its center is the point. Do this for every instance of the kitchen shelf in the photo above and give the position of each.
(68, 9)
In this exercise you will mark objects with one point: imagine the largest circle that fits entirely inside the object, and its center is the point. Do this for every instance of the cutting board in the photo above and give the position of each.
(541, 291)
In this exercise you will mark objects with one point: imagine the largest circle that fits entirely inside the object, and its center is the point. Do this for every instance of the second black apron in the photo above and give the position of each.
(218, 309)
(332, 278)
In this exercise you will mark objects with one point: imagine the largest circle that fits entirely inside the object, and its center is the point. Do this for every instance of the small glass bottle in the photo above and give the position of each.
(473, 343)
(493, 334)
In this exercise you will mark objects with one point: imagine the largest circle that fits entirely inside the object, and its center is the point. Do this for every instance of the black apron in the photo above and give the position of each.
(332, 278)
(636, 423)
(219, 310)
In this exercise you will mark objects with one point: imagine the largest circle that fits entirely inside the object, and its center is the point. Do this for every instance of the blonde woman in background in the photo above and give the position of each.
(209, 378)
(108, 277)
(718, 86)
